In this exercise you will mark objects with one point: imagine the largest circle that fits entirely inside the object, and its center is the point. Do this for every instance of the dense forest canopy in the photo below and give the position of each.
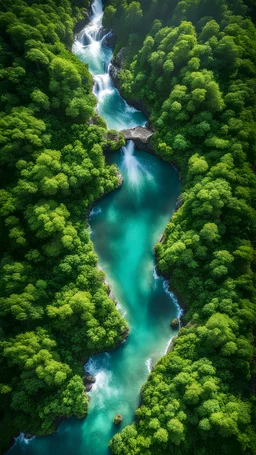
(54, 305)
(192, 64)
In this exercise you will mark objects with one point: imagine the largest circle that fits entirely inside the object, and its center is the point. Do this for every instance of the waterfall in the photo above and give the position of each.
(102, 86)
(135, 170)
(97, 11)
(131, 164)
(91, 46)
(91, 39)
(149, 365)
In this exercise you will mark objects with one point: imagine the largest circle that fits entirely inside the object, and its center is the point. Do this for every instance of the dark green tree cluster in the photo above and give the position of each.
(194, 69)
(55, 308)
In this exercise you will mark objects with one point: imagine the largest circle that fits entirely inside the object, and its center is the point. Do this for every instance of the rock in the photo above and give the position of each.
(88, 379)
(114, 72)
(110, 40)
(118, 60)
(116, 66)
(120, 181)
(178, 202)
(118, 419)
(140, 136)
(88, 387)
(175, 323)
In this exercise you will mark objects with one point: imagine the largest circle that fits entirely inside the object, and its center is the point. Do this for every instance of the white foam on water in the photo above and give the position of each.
(90, 47)
(23, 440)
(168, 345)
(134, 169)
(103, 389)
(97, 11)
(174, 299)
(156, 277)
(121, 310)
(180, 311)
(149, 364)
(95, 211)
(130, 109)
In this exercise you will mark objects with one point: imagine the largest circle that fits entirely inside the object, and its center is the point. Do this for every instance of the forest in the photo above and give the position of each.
(55, 308)
(192, 64)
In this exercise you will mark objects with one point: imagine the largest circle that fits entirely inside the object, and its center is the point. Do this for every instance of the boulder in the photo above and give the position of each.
(116, 66)
(141, 136)
(175, 323)
(118, 419)
(88, 387)
(118, 60)
(88, 379)
(110, 40)
(114, 72)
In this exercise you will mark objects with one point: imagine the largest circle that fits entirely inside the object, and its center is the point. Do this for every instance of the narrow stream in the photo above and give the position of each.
(125, 225)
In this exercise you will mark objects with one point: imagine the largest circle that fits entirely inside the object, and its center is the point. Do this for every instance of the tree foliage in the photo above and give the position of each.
(192, 64)
(55, 308)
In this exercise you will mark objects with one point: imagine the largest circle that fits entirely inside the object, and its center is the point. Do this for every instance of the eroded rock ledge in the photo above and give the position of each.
(141, 136)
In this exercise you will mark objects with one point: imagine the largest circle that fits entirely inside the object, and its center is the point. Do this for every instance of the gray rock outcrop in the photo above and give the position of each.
(88, 381)
(116, 66)
(141, 136)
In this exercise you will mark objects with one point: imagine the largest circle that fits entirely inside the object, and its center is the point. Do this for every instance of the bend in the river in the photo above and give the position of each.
(125, 225)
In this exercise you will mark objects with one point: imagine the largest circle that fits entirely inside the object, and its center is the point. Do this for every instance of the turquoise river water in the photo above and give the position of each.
(125, 225)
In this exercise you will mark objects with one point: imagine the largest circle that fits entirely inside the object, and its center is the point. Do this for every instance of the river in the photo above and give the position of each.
(125, 225)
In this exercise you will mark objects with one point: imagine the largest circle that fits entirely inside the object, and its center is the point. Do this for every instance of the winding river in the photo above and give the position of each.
(124, 225)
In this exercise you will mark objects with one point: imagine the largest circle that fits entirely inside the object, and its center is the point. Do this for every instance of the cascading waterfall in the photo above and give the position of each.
(136, 172)
(124, 227)
(91, 47)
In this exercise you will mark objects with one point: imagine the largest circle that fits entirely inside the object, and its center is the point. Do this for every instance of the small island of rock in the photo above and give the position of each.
(118, 419)
(175, 323)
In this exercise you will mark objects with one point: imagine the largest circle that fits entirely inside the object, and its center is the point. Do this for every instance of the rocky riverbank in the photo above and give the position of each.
(117, 64)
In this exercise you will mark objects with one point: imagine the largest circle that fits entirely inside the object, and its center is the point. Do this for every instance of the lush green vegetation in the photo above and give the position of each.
(192, 64)
(54, 304)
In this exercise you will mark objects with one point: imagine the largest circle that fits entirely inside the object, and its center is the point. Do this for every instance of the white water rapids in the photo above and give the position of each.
(91, 47)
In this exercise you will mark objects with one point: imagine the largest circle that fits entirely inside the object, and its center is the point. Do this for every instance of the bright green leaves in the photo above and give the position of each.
(209, 233)
(38, 57)
(54, 304)
(81, 109)
(20, 134)
(7, 203)
(197, 165)
(47, 218)
(160, 436)
(220, 265)
(70, 400)
(34, 355)
(175, 431)
(90, 315)
(24, 306)
(195, 74)
(40, 99)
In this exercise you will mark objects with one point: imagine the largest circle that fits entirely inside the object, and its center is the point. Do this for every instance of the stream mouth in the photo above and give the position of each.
(125, 225)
